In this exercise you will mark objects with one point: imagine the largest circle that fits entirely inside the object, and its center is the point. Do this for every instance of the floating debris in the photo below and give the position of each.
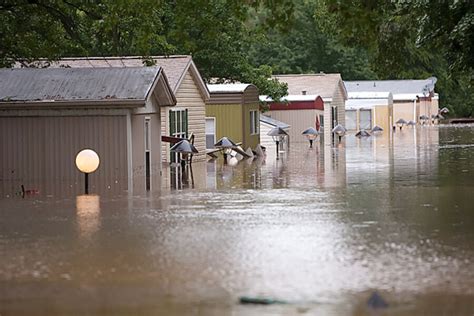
(259, 300)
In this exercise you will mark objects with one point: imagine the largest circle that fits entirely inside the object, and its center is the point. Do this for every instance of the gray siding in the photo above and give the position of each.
(39, 152)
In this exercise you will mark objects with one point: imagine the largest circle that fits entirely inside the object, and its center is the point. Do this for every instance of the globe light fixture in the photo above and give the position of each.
(400, 123)
(339, 130)
(226, 144)
(87, 161)
(311, 134)
(278, 135)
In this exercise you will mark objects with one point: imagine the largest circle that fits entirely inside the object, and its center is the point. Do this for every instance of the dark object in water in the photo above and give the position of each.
(362, 134)
(259, 300)
(376, 301)
(377, 128)
(462, 121)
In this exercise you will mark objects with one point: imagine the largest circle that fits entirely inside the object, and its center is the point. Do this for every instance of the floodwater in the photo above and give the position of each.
(320, 229)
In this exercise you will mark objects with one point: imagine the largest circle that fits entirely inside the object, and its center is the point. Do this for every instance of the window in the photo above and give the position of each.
(365, 119)
(179, 123)
(254, 122)
(351, 119)
(334, 117)
(210, 132)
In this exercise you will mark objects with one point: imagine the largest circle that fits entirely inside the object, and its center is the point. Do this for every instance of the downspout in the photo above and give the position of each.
(414, 111)
(129, 152)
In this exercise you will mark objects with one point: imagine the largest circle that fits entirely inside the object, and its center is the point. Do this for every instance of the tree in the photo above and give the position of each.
(310, 46)
(213, 31)
(415, 39)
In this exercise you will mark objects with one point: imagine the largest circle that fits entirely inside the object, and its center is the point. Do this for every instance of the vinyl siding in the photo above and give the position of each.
(339, 102)
(299, 120)
(381, 117)
(188, 97)
(138, 154)
(228, 120)
(405, 110)
(250, 140)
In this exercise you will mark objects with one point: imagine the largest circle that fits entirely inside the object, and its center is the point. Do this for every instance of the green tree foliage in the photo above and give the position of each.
(415, 39)
(310, 44)
(213, 31)
(247, 40)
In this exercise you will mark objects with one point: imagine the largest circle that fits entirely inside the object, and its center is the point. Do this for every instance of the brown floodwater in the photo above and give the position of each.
(320, 229)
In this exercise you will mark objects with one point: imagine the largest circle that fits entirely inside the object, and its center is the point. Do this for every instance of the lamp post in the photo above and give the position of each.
(339, 130)
(226, 144)
(278, 135)
(87, 161)
(400, 123)
(424, 118)
(311, 134)
(185, 148)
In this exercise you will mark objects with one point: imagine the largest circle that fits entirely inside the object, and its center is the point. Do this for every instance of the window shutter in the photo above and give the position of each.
(172, 123)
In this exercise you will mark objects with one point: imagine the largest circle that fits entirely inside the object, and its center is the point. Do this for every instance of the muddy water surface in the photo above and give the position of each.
(319, 228)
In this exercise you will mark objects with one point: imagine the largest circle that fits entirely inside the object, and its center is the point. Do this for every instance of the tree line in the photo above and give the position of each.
(248, 40)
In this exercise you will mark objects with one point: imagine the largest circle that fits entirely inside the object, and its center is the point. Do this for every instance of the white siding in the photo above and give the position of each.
(299, 120)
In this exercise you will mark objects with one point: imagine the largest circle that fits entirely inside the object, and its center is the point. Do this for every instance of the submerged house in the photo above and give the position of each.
(183, 120)
(329, 87)
(233, 111)
(48, 115)
(364, 110)
(411, 98)
(299, 111)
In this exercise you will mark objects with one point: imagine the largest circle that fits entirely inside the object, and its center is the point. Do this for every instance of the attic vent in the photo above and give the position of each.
(303, 92)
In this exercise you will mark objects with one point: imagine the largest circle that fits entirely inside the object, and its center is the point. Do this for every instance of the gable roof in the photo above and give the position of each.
(324, 85)
(174, 66)
(400, 88)
(98, 85)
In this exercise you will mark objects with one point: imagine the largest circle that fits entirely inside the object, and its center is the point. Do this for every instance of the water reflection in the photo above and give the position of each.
(320, 227)
(88, 215)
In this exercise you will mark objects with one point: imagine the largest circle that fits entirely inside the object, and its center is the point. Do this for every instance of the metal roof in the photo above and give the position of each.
(76, 84)
(369, 95)
(175, 66)
(270, 121)
(322, 84)
(292, 98)
(407, 88)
